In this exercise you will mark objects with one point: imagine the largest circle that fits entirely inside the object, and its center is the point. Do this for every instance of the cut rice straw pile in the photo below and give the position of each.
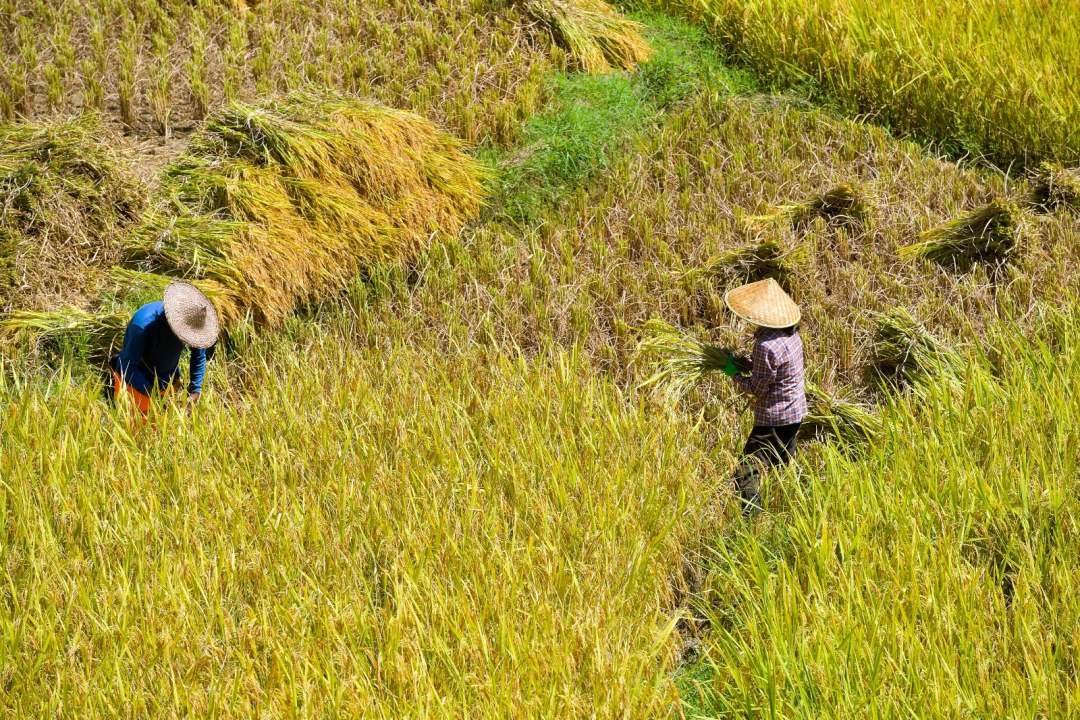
(683, 361)
(906, 352)
(989, 234)
(1056, 187)
(283, 205)
(767, 259)
(843, 204)
(597, 37)
(64, 195)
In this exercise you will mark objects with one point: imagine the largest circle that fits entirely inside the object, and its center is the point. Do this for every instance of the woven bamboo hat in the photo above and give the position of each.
(191, 315)
(763, 303)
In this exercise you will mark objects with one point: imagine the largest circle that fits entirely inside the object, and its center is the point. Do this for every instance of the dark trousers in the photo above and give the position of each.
(766, 447)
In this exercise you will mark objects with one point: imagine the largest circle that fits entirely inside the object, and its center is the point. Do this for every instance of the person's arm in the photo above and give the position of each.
(197, 373)
(762, 373)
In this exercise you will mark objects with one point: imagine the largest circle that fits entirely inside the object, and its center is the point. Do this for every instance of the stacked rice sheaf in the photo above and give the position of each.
(281, 205)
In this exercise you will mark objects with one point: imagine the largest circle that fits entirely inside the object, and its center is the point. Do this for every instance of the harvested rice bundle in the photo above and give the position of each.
(769, 258)
(64, 197)
(684, 360)
(843, 204)
(848, 422)
(905, 351)
(103, 331)
(281, 206)
(1056, 187)
(989, 234)
(597, 37)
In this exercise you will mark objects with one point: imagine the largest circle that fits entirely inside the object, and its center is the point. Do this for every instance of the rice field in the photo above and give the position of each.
(932, 575)
(464, 451)
(397, 534)
(158, 67)
(985, 78)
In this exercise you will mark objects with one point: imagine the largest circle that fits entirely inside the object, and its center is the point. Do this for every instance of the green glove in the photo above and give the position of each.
(729, 366)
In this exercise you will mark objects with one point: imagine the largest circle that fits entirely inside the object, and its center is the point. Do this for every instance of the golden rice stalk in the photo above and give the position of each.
(904, 350)
(843, 204)
(1056, 187)
(596, 36)
(988, 234)
(284, 205)
(682, 360)
(64, 195)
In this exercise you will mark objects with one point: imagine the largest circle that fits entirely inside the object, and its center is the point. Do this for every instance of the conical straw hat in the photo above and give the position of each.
(763, 303)
(191, 315)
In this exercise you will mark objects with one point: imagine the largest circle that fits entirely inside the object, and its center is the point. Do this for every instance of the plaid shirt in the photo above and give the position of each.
(776, 379)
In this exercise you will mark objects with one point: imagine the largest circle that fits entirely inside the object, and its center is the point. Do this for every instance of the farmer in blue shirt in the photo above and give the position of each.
(149, 362)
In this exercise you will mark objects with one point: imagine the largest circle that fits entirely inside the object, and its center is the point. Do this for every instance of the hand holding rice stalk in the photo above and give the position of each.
(989, 234)
(683, 361)
(597, 37)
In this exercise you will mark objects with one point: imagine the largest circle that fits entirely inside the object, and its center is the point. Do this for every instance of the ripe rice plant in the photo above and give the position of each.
(1056, 187)
(146, 61)
(989, 234)
(980, 76)
(597, 37)
(285, 205)
(407, 533)
(931, 575)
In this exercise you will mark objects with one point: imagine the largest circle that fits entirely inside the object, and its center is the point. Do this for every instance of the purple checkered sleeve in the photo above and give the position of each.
(776, 378)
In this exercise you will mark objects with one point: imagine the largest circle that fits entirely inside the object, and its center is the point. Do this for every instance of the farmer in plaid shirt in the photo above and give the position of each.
(774, 383)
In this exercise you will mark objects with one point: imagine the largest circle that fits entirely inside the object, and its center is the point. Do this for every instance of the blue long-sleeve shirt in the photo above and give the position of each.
(151, 353)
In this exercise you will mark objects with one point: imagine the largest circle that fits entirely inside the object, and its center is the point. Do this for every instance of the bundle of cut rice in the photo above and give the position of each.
(102, 332)
(842, 204)
(989, 234)
(682, 360)
(284, 205)
(769, 258)
(597, 37)
(1056, 187)
(847, 421)
(906, 352)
